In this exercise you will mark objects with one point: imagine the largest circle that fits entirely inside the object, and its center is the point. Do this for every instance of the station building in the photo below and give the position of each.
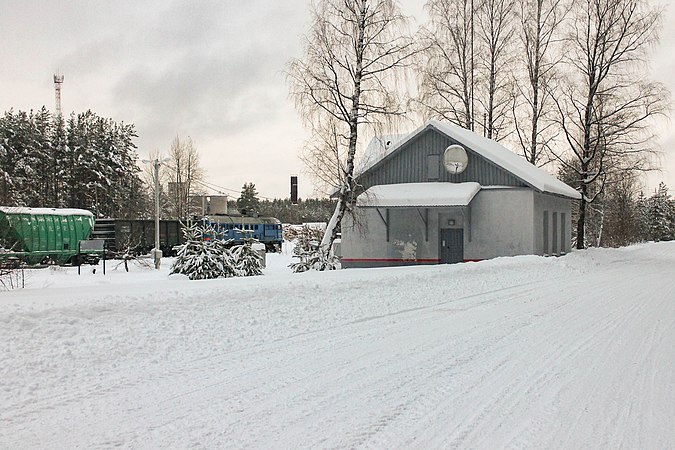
(443, 194)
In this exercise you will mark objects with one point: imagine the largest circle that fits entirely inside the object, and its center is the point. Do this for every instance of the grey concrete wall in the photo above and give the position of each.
(558, 206)
(406, 232)
(500, 223)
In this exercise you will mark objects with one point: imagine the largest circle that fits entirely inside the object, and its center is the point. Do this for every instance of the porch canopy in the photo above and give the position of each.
(416, 195)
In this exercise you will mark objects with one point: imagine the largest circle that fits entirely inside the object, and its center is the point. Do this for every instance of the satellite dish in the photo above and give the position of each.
(455, 159)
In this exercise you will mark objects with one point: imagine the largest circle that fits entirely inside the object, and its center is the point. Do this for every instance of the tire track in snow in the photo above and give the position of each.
(186, 367)
(498, 369)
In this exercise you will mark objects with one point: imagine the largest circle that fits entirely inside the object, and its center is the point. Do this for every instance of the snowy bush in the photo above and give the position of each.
(11, 276)
(315, 260)
(306, 240)
(312, 257)
(203, 255)
(247, 261)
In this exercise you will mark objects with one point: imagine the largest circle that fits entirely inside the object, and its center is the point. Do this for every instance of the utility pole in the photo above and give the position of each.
(156, 253)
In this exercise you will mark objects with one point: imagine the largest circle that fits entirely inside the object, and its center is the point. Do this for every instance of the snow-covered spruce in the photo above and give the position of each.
(315, 260)
(203, 256)
(308, 249)
(247, 261)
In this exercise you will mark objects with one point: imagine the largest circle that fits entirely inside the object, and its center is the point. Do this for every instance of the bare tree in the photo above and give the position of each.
(540, 22)
(185, 173)
(447, 69)
(325, 157)
(352, 54)
(467, 63)
(606, 109)
(495, 31)
(165, 177)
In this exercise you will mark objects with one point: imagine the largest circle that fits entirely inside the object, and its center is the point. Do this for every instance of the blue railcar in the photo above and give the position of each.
(233, 227)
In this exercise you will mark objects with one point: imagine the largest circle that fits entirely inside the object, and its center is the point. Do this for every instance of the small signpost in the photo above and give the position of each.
(90, 247)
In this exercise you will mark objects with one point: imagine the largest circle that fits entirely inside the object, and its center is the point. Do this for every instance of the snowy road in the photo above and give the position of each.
(527, 352)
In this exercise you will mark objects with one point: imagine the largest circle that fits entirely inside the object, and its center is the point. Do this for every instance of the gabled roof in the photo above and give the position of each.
(378, 148)
(418, 194)
(493, 151)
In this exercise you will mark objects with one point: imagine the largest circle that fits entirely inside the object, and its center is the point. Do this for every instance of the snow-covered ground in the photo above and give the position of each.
(525, 352)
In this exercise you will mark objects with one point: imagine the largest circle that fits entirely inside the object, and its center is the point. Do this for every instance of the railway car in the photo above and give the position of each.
(137, 236)
(235, 227)
(37, 235)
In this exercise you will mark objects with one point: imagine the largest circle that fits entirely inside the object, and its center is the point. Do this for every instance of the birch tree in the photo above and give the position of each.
(466, 68)
(352, 55)
(605, 110)
(495, 31)
(325, 157)
(533, 108)
(447, 66)
(185, 172)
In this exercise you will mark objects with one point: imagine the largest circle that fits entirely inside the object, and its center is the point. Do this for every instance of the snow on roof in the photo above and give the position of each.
(378, 148)
(498, 154)
(45, 211)
(503, 157)
(418, 194)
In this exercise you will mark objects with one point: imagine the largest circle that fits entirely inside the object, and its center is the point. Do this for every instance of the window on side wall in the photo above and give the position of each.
(563, 230)
(554, 237)
(545, 233)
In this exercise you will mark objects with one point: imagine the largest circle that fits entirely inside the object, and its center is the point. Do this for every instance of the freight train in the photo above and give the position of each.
(137, 236)
(39, 235)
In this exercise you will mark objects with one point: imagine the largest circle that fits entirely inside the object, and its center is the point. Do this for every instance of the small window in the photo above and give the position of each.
(545, 232)
(256, 227)
(433, 167)
(563, 230)
(554, 236)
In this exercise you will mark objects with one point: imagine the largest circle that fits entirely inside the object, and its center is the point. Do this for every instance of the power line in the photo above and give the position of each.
(217, 188)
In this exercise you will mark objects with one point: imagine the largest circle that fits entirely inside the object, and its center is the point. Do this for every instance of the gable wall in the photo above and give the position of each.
(409, 164)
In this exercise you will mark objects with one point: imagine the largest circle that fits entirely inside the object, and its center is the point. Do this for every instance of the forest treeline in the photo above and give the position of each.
(90, 162)
(85, 161)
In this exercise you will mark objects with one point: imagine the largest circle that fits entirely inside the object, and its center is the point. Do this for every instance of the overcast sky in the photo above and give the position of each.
(211, 70)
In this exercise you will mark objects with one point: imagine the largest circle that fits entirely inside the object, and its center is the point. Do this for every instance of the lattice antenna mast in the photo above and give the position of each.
(58, 81)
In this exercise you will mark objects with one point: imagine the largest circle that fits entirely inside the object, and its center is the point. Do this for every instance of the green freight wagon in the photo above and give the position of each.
(37, 235)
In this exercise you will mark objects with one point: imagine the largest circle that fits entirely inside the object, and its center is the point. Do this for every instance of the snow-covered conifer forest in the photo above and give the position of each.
(83, 161)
